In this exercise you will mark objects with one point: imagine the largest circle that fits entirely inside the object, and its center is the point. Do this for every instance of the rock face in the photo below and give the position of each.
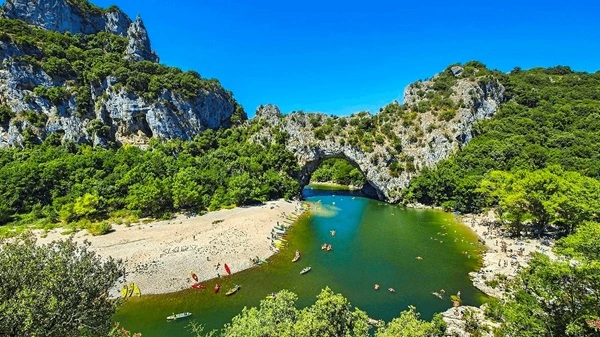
(424, 142)
(63, 16)
(116, 115)
(138, 47)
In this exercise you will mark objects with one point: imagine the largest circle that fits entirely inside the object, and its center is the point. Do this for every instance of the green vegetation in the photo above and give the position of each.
(81, 187)
(552, 298)
(338, 171)
(85, 61)
(330, 316)
(537, 162)
(59, 289)
(552, 119)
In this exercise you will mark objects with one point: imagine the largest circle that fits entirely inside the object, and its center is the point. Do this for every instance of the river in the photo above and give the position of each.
(414, 251)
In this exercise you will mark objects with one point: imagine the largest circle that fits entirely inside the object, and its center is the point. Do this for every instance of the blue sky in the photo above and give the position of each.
(340, 57)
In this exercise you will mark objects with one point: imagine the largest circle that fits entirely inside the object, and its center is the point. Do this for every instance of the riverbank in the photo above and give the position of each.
(504, 256)
(160, 255)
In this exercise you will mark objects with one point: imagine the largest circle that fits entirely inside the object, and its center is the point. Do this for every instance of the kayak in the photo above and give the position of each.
(124, 291)
(136, 290)
(178, 316)
(296, 258)
(271, 296)
(198, 286)
(305, 270)
(130, 289)
(216, 288)
(227, 269)
(194, 276)
(232, 290)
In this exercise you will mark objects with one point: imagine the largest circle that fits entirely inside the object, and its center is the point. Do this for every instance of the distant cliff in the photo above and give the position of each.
(73, 71)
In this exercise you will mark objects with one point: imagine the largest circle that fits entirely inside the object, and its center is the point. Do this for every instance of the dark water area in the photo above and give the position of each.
(416, 252)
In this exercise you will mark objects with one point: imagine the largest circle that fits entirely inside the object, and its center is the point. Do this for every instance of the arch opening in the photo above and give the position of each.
(339, 170)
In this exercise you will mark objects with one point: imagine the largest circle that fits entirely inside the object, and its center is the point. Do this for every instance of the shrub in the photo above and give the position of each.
(99, 228)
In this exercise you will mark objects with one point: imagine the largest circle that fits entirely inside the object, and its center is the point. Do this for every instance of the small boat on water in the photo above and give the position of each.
(376, 286)
(392, 290)
(332, 232)
(175, 317)
(305, 270)
(233, 290)
(297, 256)
(329, 248)
(198, 286)
(436, 294)
(216, 288)
(271, 296)
(324, 246)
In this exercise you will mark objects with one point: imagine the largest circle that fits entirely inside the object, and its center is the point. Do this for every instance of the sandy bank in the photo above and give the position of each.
(504, 255)
(159, 256)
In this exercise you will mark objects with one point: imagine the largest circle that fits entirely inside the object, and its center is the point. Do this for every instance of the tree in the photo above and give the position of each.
(331, 316)
(59, 289)
(583, 244)
(553, 299)
(409, 325)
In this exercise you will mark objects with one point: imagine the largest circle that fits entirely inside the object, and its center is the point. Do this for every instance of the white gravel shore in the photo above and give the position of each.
(159, 256)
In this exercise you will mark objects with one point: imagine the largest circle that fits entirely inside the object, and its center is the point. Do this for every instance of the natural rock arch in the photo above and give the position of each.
(310, 166)
(413, 139)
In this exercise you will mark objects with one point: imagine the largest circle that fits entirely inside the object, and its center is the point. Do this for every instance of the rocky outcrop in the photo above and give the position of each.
(125, 117)
(425, 140)
(138, 47)
(115, 115)
(65, 16)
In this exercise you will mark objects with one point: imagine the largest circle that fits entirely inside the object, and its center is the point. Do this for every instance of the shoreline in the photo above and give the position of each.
(159, 256)
(504, 255)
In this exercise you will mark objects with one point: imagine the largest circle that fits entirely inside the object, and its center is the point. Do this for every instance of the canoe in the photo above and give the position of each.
(305, 270)
(216, 288)
(296, 258)
(194, 276)
(232, 290)
(178, 316)
(130, 289)
(227, 269)
(124, 291)
(136, 290)
(198, 286)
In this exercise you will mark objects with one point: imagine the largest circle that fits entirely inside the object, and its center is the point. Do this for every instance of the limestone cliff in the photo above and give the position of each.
(60, 89)
(390, 147)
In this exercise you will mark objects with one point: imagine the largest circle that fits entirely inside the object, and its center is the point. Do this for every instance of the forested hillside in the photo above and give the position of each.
(81, 186)
(552, 118)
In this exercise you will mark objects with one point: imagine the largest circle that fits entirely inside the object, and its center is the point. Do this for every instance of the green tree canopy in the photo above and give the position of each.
(59, 289)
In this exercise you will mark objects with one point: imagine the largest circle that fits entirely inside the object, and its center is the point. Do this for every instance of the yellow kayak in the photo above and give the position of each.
(124, 291)
(130, 289)
(136, 290)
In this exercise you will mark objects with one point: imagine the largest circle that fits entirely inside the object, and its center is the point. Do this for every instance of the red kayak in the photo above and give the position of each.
(227, 269)
(198, 286)
(217, 287)
(195, 277)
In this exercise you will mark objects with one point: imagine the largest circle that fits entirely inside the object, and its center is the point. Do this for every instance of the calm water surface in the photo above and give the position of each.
(374, 243)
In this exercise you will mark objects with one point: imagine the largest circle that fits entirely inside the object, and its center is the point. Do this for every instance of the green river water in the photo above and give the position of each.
(374, 243)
